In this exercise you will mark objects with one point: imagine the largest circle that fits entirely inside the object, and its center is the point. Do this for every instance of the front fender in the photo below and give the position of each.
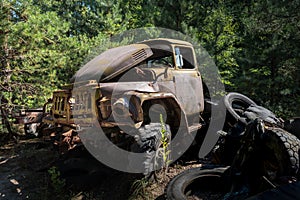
(175, 112)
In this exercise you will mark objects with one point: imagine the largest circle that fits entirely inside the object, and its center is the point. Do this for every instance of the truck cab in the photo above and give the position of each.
(119, 88)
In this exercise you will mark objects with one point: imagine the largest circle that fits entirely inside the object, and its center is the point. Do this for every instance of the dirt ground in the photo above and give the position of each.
(24, 174)
(23, 169)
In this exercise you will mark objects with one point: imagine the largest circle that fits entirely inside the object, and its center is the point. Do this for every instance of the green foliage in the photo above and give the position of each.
(216, 31)
(254, 44)
(57, 182)
(88, 18)
(269, 61)
(138, 188)
(165, 141)
(34, 52)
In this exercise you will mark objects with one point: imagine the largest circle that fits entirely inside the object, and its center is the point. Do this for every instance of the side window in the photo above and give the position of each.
(184, 58)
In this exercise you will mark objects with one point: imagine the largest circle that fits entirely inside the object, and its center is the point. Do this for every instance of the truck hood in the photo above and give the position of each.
(112, 63)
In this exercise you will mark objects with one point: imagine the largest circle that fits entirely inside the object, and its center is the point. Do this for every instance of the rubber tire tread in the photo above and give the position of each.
(148, 132)
(289, 145)
(177, 186)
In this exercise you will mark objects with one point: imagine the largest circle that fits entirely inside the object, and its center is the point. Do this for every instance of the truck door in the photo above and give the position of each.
(187, 80)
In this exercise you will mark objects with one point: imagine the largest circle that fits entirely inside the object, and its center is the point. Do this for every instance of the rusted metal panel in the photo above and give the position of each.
(29, 116)
(189, 92)
(121, 87)
(113, 62)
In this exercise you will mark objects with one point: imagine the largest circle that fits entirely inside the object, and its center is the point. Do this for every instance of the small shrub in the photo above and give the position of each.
(56, 181)
(138, 188)
(165, 140)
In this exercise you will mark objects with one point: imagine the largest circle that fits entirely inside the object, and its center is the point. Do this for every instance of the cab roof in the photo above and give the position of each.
(165, 41)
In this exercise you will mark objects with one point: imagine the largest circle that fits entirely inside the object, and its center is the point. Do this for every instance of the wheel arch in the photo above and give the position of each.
(176, 116)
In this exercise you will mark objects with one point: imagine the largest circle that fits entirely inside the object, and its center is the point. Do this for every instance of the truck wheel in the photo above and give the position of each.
(267, 158)
(149, 141)
(285, 148)
(236, 104)
(200, 183)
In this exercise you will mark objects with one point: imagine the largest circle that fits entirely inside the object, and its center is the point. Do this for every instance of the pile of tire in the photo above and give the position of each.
(266, 148)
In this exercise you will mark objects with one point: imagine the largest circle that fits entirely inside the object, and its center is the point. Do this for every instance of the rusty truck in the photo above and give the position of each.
(130, 91)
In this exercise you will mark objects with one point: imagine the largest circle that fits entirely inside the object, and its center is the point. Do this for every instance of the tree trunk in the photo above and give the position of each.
(6, 122)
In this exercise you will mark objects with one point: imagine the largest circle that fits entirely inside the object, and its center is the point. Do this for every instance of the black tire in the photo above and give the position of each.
(285, 147)
(236, 103)
(213, 181)
(149, 141)
(266, 157)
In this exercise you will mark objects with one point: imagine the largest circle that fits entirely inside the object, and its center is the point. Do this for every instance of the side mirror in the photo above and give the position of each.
(178, 58)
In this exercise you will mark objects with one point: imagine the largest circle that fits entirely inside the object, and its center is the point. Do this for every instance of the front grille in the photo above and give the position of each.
(82, 102)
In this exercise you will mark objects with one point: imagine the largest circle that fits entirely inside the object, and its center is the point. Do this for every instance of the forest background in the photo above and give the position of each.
(255, 44)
